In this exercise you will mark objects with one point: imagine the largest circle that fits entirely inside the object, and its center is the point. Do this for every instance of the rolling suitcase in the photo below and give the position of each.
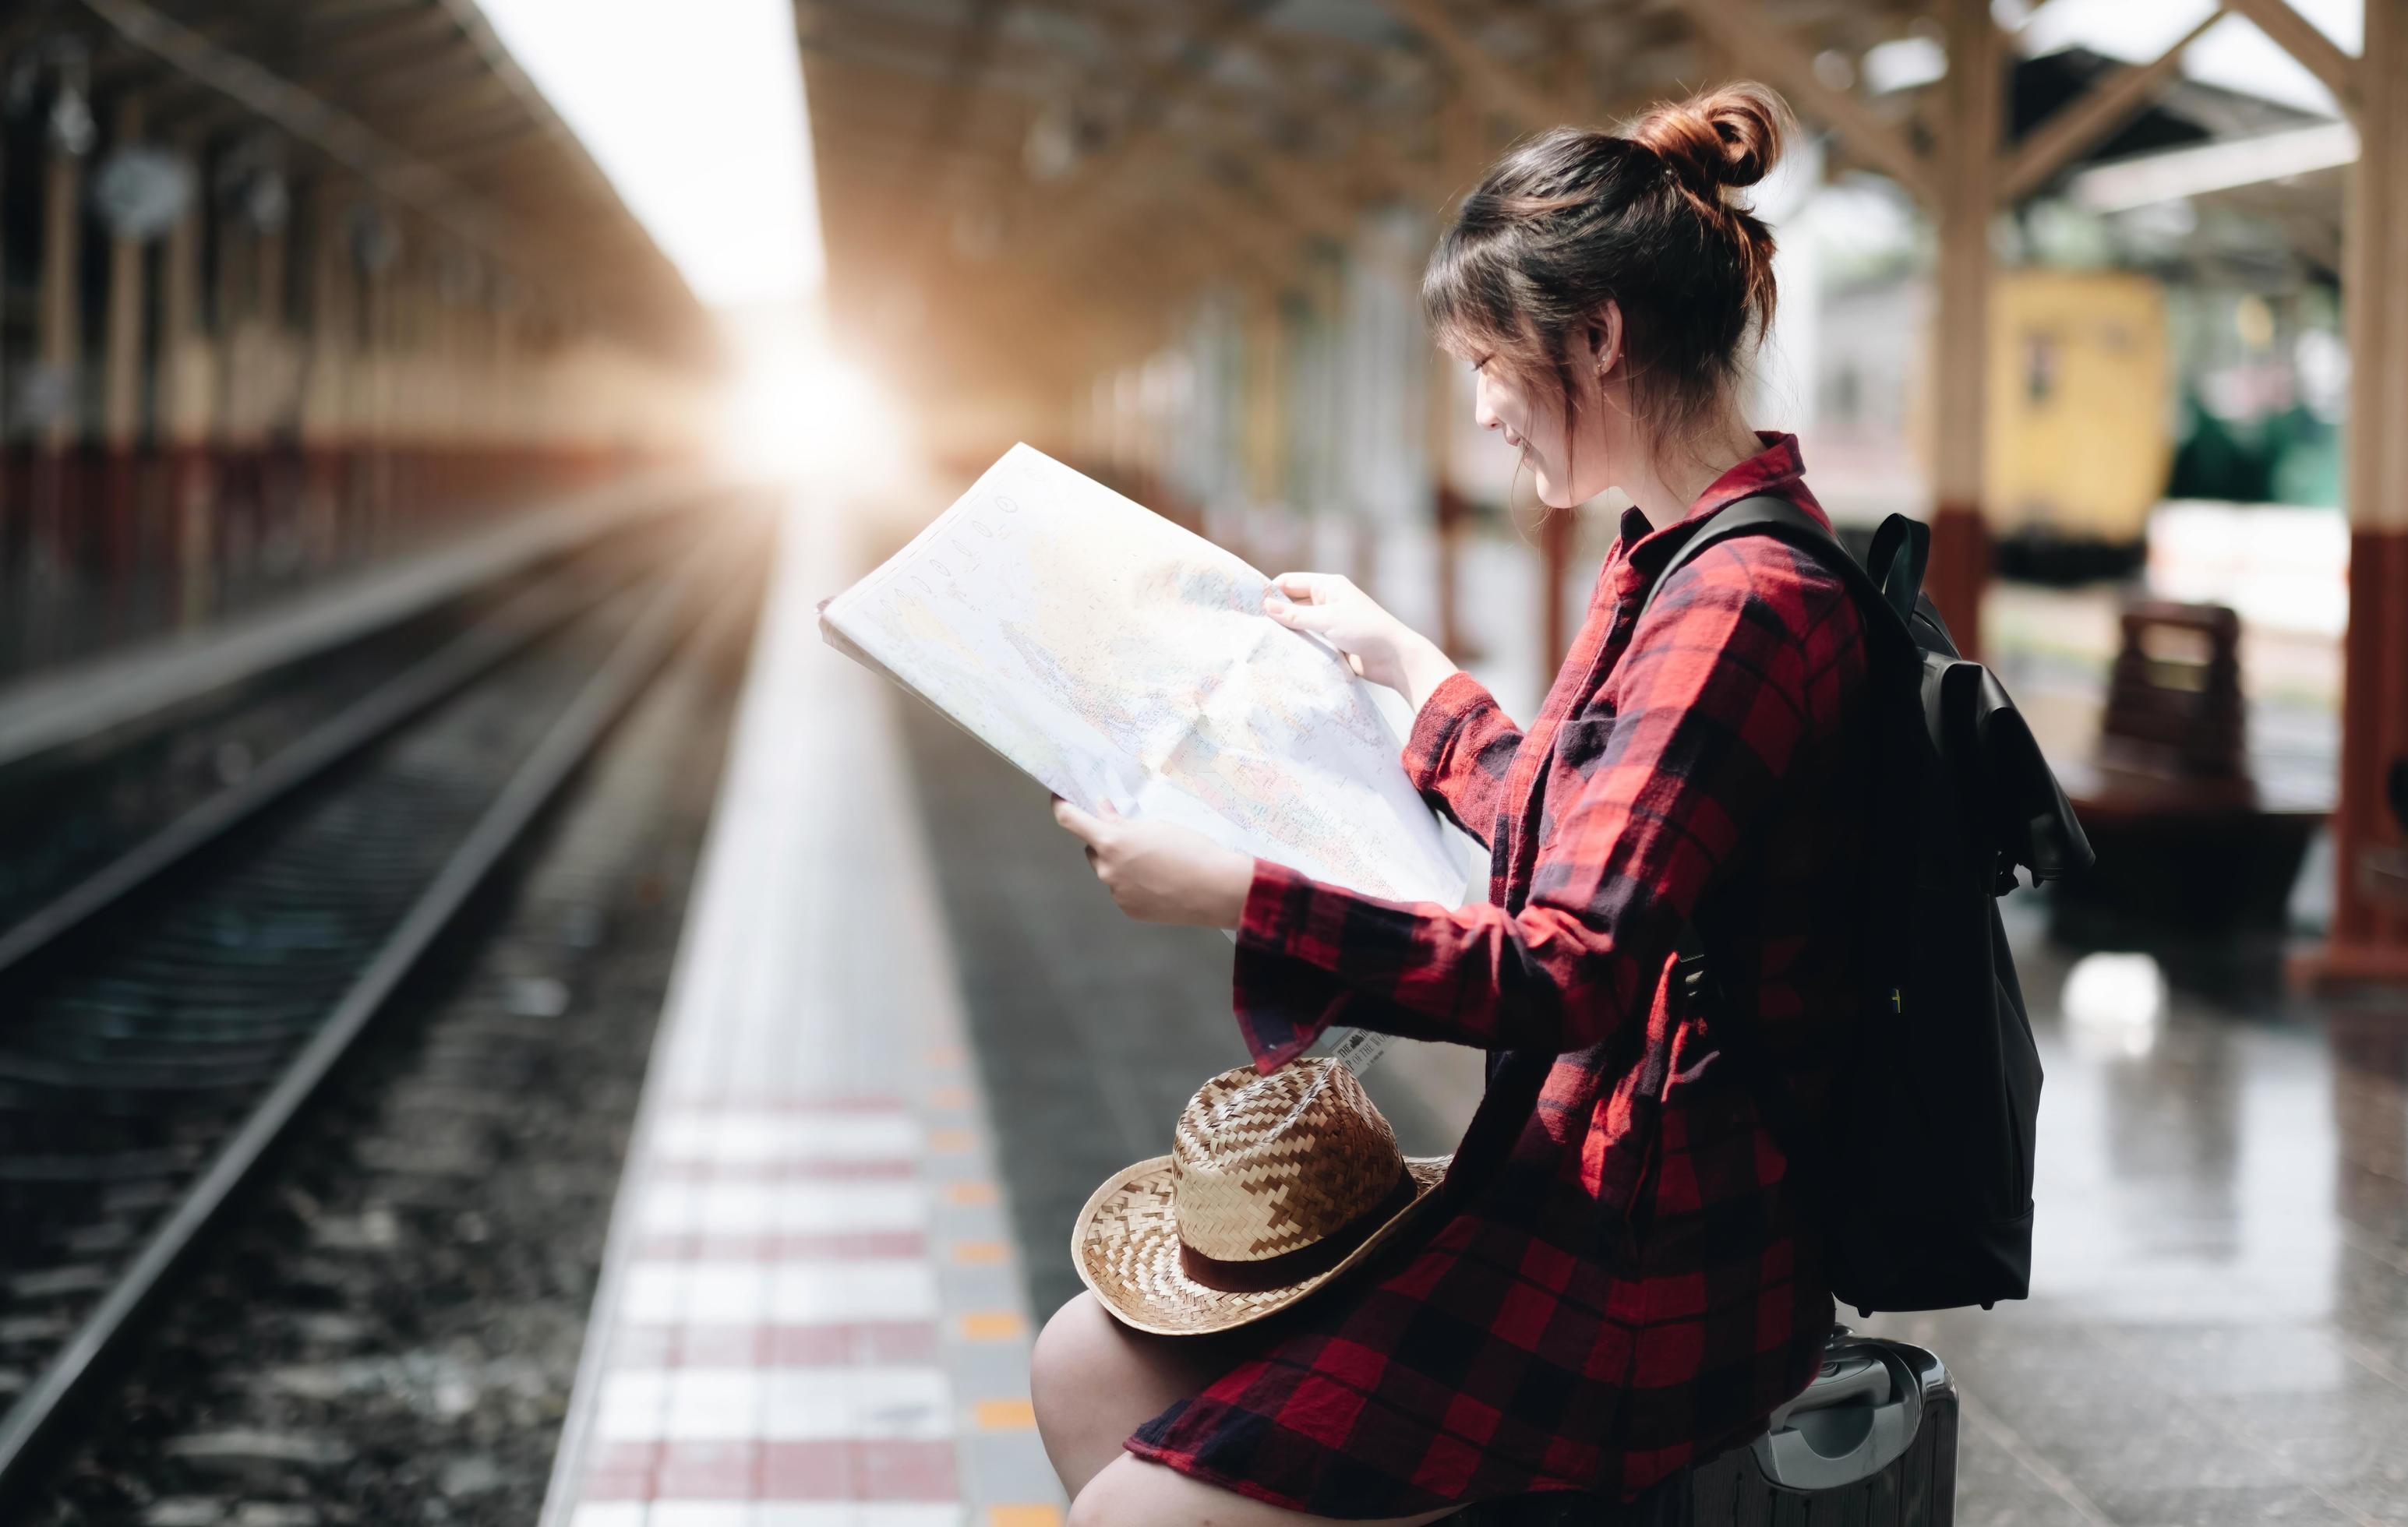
(1870, 1443)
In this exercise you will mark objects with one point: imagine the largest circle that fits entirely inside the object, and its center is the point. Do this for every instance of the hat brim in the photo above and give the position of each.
(1125, 1245)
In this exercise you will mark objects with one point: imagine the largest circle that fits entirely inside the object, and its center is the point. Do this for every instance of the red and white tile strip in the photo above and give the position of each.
(810, 1314)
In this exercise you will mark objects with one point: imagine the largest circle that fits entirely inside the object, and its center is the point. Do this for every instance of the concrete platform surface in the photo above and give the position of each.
(59, 706)
(810, 1312)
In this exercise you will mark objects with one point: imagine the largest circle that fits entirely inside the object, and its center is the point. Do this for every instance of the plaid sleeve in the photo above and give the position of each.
(1461, 747)
(1677, 758)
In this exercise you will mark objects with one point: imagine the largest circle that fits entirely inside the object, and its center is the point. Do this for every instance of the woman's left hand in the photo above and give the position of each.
(1159, 872)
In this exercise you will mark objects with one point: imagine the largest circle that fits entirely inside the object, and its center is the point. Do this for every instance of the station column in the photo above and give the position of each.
(186, 403)
(2370, 931)
(122, 359)
(1967, 192)
(59, 338)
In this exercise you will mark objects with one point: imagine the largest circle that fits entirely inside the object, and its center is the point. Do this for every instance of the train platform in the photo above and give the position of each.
(811, 1312)
(49, 705)
(909, 1033)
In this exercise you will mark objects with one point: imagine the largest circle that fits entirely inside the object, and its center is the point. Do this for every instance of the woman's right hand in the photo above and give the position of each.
(1377, 645)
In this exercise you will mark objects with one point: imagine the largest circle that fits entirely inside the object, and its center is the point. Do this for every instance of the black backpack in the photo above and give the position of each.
(1922, 1181)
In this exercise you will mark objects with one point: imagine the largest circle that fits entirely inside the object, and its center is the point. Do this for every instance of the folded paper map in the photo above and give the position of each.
(1119, 660)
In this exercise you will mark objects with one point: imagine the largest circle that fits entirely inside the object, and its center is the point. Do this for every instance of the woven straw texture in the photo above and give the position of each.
(1260, 1166)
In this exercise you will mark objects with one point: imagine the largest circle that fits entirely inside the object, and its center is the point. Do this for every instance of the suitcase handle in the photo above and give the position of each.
(1858, 1417)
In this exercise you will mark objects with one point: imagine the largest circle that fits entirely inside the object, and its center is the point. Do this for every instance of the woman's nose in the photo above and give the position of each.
(1482, 414)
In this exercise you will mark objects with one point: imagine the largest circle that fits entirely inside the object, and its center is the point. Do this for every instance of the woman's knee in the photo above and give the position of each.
(1075, 1344)
(1133, 1492)
(1087, 1388)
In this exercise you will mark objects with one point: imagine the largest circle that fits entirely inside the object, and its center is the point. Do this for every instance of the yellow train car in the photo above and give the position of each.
(2080, 419)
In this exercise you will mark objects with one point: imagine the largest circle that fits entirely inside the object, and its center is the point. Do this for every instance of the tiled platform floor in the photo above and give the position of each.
(811, 1314)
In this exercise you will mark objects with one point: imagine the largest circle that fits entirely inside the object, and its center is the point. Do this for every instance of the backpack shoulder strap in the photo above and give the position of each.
(1760, 513)
(1878, 600)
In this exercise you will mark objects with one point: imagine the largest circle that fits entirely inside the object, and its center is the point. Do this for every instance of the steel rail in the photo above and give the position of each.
(433, 678)
(127, 693)
(30, 1425)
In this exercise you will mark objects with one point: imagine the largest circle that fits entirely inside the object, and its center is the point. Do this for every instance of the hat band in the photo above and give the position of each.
(1305, 1261)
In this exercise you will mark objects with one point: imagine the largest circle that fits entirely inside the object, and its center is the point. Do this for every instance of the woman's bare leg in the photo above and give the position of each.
(1131, 1492)
(1094, 1380)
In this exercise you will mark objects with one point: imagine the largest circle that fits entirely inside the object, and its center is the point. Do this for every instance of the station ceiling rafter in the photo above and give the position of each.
(1255, 129)
(417, 104)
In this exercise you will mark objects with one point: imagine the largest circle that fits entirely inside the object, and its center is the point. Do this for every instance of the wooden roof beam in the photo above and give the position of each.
(1371, 146)
(919, 49)
(1246, 235)
(2307, 43)
(393, 68)
(1506, 90)
(2074, 129)
(1768, 51)
(1170, 82)
(467, 156)
(1059, 208)
(347, 35)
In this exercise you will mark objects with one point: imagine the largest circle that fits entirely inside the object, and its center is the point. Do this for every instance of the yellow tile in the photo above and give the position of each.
(992, 1325)
(950, 1142)
(1023, 1516)
(970, 1192)
(1005, 1415)
(950, 1097)
(981, 1252)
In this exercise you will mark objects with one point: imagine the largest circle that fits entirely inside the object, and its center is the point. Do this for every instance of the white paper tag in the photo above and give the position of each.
(1361, 1049)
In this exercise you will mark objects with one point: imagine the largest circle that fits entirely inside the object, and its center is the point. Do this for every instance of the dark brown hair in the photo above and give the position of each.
(1576, 216)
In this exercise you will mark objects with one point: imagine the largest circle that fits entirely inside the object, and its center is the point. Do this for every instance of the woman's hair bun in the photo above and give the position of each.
(1730, 136)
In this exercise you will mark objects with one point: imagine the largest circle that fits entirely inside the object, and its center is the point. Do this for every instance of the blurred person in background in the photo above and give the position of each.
(1617, 1278)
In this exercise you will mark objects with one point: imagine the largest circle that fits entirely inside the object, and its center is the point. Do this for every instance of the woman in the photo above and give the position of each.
(1618, 1279)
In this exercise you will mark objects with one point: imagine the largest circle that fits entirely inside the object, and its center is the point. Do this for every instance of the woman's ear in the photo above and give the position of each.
(1605, 336)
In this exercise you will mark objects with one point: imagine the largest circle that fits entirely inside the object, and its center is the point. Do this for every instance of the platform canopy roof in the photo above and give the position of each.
(413, 105)
(997, 168)
(1015, 187)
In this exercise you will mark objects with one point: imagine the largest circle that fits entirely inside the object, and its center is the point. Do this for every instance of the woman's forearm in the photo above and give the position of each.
(1424, 668)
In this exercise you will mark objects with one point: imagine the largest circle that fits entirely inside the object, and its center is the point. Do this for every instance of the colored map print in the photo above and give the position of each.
(1115, 657)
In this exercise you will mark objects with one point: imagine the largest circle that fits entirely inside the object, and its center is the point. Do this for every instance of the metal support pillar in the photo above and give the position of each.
(273, 402)
(1961, 331)
(1557, 534)
(2370, 931)
(185, 405)
(372, 419)
(1266, 414)
(59, 343)
(120, 423)
(333, 327)
(1448, 511)
(8, 551)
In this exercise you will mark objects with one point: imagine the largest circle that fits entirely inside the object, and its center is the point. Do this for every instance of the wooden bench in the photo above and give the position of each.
(2383, 871)
(2188, 842)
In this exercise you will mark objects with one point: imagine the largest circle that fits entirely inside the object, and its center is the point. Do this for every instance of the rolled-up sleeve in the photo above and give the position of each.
(1677, 760)
(1461, 747)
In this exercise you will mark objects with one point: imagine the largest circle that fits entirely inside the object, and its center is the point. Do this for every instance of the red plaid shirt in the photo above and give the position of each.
(1614, 1284)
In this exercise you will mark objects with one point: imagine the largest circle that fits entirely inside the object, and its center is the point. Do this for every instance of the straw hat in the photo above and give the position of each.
(1274, 1186)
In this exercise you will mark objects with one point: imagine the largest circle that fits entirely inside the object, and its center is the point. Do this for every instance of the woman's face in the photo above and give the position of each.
(1570, 466)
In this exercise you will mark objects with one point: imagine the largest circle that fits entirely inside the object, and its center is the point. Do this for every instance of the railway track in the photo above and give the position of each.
(70, 813)
(166, 1012)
